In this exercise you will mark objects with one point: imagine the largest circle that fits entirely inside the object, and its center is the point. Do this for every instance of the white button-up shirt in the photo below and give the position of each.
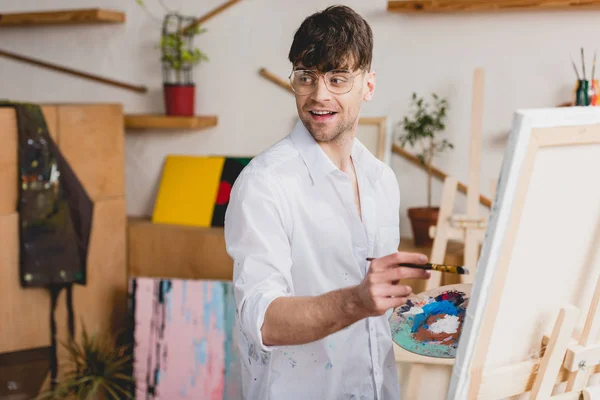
(293, 229)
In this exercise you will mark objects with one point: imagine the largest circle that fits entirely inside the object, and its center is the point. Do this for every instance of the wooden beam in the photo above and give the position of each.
(436, 172)
(461, 6)
(69, 71)
(62, 17)
(275, 79)
(210, 14)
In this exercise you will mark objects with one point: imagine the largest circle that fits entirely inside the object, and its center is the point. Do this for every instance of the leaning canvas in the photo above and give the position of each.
(184, 342)
(541, 254)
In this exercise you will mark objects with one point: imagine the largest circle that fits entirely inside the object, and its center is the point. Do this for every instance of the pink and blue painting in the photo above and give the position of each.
(429, 324)
(183, 339)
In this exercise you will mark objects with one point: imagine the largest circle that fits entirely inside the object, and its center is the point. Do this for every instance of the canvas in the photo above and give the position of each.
(184, 343)
(194, 190)
(540, 254)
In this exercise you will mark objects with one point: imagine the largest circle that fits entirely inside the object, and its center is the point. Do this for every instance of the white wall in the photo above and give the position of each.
(525, 56)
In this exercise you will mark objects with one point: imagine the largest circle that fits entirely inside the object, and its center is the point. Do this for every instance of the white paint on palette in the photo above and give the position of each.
(448, 324)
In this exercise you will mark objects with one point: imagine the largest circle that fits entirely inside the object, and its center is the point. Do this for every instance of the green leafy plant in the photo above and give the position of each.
(175, 53)
(176, 44)
(421, 128)
(99, 368)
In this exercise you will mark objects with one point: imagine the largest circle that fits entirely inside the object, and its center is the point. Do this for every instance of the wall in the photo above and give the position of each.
(526, 57)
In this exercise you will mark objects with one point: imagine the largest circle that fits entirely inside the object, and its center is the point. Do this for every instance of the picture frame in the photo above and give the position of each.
(373, 133)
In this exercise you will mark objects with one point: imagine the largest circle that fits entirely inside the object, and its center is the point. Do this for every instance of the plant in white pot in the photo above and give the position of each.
(421, 128)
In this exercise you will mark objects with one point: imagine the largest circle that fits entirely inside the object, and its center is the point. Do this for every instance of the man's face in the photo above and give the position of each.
(327, 115)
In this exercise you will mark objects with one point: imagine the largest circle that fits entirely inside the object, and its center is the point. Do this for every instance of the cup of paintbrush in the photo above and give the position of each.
(451, 269)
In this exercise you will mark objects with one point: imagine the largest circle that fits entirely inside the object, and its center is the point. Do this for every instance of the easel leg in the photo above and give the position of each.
(438, 252)
(415, 373)
(555, 352)
(577, 380)
(471, 241)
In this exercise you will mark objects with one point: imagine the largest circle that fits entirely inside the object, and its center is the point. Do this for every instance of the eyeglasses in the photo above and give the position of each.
(338, 81)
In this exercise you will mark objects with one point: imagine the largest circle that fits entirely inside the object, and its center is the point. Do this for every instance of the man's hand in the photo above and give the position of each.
(379, 291)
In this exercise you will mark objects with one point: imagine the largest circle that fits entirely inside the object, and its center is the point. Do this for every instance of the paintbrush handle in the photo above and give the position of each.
(451, 269)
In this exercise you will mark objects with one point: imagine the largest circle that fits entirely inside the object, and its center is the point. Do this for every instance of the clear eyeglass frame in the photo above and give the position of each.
(306, 90)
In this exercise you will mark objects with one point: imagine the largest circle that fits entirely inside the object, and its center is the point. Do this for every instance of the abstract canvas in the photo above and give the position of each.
(194, 190)
(184, 343)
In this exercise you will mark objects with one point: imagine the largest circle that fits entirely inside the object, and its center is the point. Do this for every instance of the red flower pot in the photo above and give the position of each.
(179, 99)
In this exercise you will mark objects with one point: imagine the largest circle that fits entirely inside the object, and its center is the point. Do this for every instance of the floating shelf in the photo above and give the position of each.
(460, 6)
(62, 17)
(157, 121)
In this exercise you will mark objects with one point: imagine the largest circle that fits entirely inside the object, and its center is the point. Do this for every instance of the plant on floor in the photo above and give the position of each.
(421, 129)
(99, 368)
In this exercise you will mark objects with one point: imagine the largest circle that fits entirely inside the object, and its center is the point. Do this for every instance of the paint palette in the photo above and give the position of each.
(430, 323)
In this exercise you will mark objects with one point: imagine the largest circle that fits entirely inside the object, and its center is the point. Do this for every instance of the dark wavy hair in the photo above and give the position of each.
(335, 38)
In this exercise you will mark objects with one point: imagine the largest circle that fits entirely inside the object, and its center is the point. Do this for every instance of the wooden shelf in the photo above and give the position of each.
(156, 121)
(62, 17)
(461, 6)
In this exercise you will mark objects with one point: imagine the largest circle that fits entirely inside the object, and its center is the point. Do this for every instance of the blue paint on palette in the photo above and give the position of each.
(440, 307)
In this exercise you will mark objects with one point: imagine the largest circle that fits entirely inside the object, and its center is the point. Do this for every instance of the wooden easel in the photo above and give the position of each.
(469, 229)
(564, 359)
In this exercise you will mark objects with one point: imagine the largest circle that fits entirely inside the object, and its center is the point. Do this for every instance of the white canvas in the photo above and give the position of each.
(554, 260)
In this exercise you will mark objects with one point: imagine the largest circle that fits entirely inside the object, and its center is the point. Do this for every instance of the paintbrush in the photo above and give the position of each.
(576, 71)
(594, 66)
(583, 63)
(451, 269)
(575, 68)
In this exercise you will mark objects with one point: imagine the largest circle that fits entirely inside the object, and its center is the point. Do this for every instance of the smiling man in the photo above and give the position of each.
(303, 218)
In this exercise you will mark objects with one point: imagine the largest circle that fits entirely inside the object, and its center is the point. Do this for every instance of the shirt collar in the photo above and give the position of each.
(320, 165)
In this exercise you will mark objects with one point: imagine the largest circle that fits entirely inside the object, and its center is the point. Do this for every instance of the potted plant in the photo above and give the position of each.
(421, 128)
(178, 58)
(99, 368)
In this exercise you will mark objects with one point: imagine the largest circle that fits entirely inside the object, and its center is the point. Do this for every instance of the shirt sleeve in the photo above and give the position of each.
(257, 242)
